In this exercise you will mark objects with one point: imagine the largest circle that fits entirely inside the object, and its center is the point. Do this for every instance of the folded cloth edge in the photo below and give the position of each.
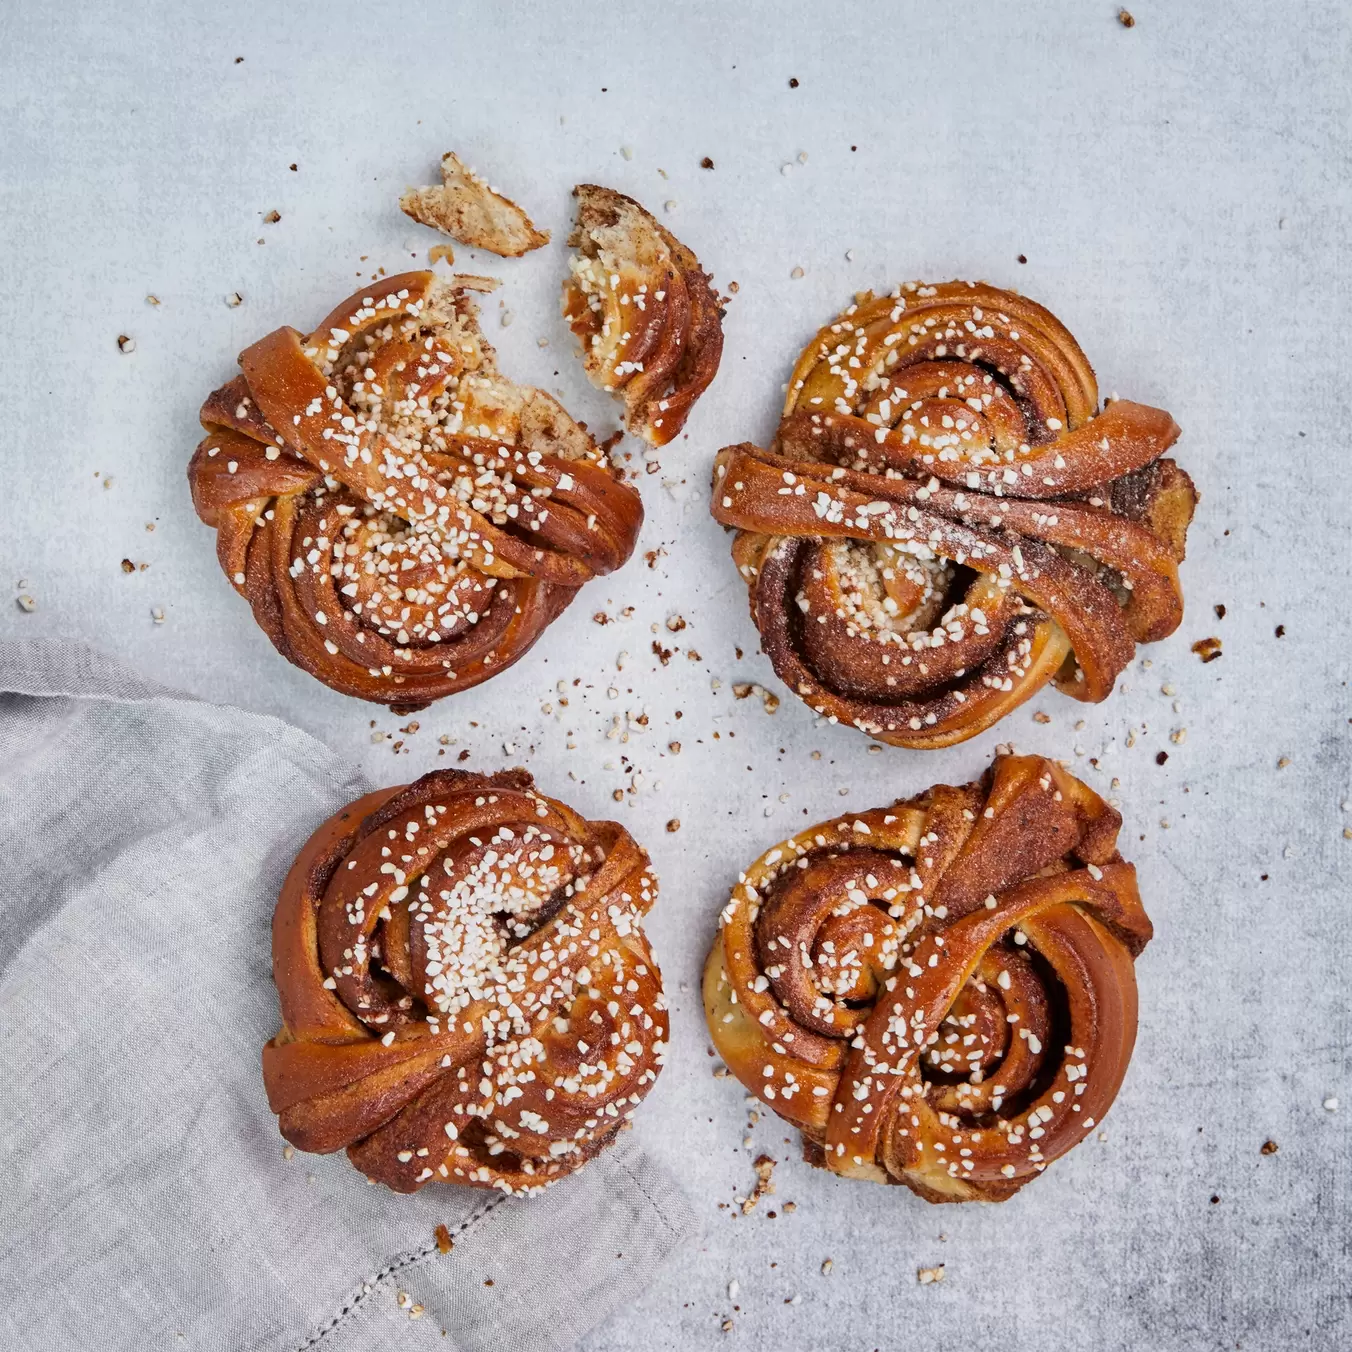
(56, 667)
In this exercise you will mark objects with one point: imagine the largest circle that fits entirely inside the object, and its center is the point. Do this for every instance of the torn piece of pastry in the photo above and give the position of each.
(403, 519)
(650, 324)
(469, 210)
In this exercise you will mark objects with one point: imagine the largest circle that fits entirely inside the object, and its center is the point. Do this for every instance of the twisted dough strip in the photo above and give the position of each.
(467, 994)
(944, 524)
(404, 521)
(941, 993)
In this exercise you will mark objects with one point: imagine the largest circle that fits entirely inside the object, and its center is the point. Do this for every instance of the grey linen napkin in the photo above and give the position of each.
(145, 1199)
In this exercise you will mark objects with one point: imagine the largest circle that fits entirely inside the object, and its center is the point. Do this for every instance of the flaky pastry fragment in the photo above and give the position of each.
(467, 209)
(650, 324)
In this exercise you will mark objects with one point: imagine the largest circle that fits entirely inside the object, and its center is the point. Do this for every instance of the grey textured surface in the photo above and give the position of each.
(1181, 191)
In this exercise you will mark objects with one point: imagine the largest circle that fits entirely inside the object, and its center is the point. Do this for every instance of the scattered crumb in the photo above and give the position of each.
(1126, 18)
(1269, 1147)
(1161, 757)
(674, 824)
(706, 163)
(674, 748)
(744, 689)
(27, 603)
(441, 251)
(929, 1275)
(1331, 1104)
(126, 343)
(1283, 762)
(152, 300)
(793, 80)
(827, 1265)
(1220, 612)
(444, 1241)
(234, 300)
(1208, 649)
(796, 273)
(272, 217)
(765, 1168)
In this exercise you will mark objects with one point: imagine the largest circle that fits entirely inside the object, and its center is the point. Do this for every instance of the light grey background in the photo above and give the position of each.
(1181, 192)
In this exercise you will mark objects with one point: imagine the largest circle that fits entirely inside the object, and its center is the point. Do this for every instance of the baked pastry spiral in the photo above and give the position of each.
(404, 520)
(467, 993)
(940, 993)
(946, 522)
(650, 324)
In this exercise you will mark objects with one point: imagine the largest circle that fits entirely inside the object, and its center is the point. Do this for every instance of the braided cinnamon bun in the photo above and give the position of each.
(941, 993)
(404, 520)
(467, 993)
(650, 324)
(946, 522)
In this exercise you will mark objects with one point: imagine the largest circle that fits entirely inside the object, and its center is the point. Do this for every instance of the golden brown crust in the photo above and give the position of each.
(404, 520)
(404, 921)
(945, 523)
(649, 321)
(940, 993)
(467, 209)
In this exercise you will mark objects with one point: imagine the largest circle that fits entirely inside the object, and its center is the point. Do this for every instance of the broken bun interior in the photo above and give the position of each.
(469, 210)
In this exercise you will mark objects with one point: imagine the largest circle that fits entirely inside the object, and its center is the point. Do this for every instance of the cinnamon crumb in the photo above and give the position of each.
(765, 1168)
